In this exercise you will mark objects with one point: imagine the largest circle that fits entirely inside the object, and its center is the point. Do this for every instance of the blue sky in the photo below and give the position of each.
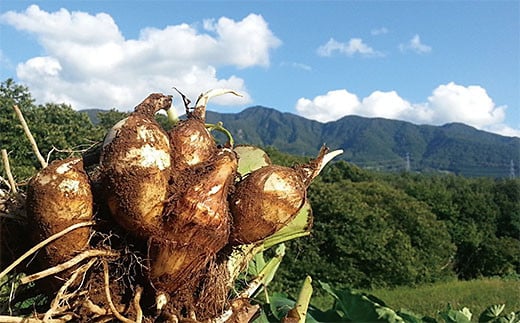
(424, 62)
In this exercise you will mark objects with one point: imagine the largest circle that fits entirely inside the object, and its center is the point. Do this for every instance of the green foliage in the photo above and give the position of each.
(383, 236)
(109, 118)
(57, 129)
(482, 216)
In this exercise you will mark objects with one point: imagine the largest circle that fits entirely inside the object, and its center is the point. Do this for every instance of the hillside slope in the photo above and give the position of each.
(377, 143)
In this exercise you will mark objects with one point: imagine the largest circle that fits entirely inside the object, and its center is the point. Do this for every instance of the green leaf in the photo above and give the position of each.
(262, 318)
(256, 264)
(456, 316)
(250, 158)
(491, 313)
(266, 274)
(359, 307)
(298, 227)
(410, 317)
(280, 305)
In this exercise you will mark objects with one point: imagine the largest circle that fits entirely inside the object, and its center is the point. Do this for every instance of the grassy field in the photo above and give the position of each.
(428, 300)
(475, 295)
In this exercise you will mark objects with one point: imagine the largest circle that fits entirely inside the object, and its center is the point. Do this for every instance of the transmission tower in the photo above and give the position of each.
(407, 165)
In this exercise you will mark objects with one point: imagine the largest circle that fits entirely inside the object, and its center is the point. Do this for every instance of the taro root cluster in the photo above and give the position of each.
(182, 201)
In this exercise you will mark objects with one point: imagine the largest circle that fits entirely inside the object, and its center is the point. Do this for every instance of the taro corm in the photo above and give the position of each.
(58, 197)
(135, 162)
(269, 197)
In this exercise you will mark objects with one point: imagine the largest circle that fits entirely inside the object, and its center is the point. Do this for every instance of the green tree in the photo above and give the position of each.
(12, 135)
(368, 234)
(58, 130)
(507, 198)
(108, 119)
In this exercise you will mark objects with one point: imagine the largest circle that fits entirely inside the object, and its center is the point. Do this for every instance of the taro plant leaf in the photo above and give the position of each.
(491, 313)
(250, 158)
(266, 274)
(280, 305)
(263, 317)
(298, 227)
(256, 264)
(410, 317)
(456, 316)
(509, 318)
(359, 307)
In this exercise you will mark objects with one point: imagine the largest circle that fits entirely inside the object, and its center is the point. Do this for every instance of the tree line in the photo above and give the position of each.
(374, 230)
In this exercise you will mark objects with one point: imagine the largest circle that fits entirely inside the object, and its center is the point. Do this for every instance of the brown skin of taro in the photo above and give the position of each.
(196, 225)
(191, 143)
(58, 197)
(265, 201)
(136, 160)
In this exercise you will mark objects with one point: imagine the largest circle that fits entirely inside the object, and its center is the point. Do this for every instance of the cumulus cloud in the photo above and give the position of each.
(88, 62)
(328, 107)
(448, 103)
(352, 47)
(471, 105)
(415, 45)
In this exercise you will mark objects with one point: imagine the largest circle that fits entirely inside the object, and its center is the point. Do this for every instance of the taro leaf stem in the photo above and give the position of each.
(267, 273)
(173, 118)
(219, 126)
(304, 297)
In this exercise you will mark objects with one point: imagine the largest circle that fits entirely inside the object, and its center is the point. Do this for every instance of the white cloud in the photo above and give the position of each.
(352, 47)
(471, 105)
(328, 107)
(448, 103)
(415, 45)
(385, 105)
(379, 31)
(296, 65)
(89, 63)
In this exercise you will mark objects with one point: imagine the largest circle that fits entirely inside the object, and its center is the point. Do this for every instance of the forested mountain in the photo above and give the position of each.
(379, 143)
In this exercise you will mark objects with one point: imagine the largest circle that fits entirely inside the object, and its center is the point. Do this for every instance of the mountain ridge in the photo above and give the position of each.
(378, 143)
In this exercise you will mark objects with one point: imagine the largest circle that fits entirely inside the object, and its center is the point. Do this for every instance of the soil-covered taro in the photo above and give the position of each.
(269, 197)
(135, 161)
(58, 197)
(196, 224)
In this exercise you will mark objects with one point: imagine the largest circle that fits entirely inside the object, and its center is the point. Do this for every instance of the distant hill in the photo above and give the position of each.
(377, 143)
(93, 114)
